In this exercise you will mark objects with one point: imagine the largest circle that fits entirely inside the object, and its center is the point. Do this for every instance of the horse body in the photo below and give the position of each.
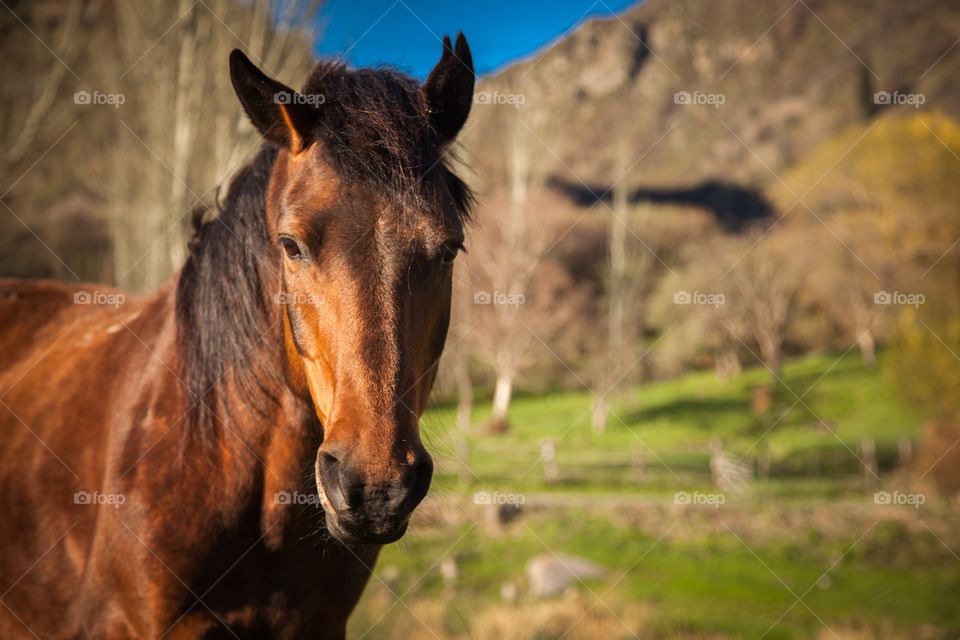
(133, 569)
(146, 443)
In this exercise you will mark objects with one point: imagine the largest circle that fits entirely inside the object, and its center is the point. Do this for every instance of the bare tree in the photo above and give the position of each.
(502, 263)
(844, 288)
(738, 292)
(181, 134)
(616, 292)
(509, 247)
(763, 285)
(36, 99)
(458, 353)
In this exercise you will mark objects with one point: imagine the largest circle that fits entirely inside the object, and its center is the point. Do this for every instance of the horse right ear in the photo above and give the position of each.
(278, 112)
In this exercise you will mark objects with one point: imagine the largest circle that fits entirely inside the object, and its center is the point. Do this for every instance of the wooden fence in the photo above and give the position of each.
(552, 462)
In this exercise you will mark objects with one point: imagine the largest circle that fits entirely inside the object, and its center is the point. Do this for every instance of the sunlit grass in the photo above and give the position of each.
(735, 572)
(703, 583)
(824, 406)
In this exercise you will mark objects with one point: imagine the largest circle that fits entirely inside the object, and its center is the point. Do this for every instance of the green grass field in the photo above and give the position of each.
(806, 554)
(823, 410)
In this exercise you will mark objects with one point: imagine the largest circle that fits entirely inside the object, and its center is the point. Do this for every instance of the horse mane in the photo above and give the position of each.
(375, 130)
(222, 307)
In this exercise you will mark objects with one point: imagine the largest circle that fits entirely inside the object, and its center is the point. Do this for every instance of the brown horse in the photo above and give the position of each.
(226, 457)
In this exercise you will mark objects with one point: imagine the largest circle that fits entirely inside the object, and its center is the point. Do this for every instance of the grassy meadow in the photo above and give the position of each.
(804, 552)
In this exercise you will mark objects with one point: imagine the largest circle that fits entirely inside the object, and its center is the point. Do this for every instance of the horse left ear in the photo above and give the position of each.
(278, 112)
(449, 89)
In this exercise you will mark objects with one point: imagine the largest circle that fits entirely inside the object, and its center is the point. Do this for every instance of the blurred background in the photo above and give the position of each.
(702, 377)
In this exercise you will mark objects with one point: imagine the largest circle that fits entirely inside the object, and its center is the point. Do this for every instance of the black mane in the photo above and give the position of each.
(374, 129)
(223, 308)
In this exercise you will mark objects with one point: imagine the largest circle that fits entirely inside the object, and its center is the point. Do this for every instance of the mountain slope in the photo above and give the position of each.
(771, 80)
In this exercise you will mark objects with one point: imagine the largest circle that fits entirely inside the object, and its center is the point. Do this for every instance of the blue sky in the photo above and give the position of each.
(404, 33)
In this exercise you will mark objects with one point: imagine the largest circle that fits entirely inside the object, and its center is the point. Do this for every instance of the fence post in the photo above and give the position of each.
(463, 459)
(639, 463)
(548, 455)
(868, 448)
(763, 463)
(904, 452)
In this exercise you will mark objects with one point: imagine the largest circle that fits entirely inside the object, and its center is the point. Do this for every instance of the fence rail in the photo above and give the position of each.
(552, 462)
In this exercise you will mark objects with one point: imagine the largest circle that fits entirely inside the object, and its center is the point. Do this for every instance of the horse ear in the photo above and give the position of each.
(449, 89)
(278, 112)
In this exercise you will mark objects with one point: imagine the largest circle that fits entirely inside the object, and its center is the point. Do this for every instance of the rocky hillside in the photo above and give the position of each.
(706, 102)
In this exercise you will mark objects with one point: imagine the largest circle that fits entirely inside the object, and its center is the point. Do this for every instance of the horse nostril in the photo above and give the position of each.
(331, 472)
(417, 481)
(409, 476)
(327, 459)
(353, 489)
(352, 494)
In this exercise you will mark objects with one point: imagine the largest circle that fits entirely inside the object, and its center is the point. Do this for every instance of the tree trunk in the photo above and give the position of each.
(599, 414)
(771, 351)
(501, 402)
(728, 363)
(868, 348)
(464, 415)
(190, 79)
(617, 291)
(464, 396)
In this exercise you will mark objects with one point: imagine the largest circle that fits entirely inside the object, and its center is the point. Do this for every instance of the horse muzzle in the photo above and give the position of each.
(362, 507)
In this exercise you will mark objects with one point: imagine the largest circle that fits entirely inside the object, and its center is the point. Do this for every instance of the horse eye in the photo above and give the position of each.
(291, 248)
(448, 253)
